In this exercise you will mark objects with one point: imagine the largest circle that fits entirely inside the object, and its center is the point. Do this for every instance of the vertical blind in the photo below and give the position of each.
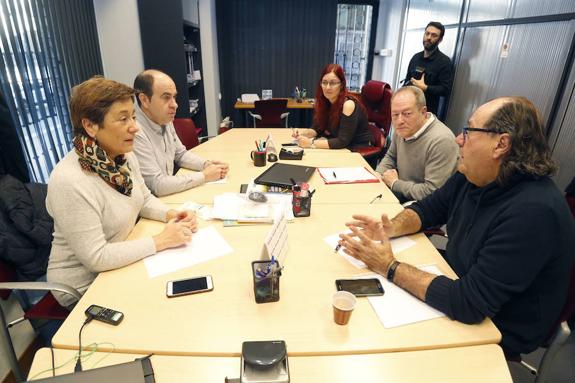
(46, 47)
(275, 45)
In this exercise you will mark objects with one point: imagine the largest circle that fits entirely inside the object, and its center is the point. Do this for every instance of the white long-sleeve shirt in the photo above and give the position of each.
(157, 148)
(91, 223)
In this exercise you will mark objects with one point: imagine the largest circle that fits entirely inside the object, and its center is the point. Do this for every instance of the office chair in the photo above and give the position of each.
(270, 113)
(376, 97)
(47, 308)
(372, 154)
(557, 338)
(560, 332)
(187, 132)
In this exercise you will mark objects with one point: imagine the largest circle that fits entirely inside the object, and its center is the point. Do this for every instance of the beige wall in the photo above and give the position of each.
(120, 40)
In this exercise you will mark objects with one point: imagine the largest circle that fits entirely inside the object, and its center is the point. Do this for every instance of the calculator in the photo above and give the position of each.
(104, 314)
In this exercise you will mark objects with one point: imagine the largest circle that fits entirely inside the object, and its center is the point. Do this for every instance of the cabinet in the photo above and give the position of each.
(172, 45)
(195, 85)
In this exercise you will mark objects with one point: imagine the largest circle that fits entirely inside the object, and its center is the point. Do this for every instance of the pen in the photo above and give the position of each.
(337, 248)
(376, 197)
(334, 176)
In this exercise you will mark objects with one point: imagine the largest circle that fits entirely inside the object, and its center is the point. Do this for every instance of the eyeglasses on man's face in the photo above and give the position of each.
(330, 84)
(468, 129)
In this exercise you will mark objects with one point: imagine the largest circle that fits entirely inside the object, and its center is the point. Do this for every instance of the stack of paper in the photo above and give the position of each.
(237, 207)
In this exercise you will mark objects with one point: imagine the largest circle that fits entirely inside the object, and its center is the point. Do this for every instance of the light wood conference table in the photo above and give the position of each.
(216, 323)
(473, 364)
(242, 171)
(235, 146)
(241, 140)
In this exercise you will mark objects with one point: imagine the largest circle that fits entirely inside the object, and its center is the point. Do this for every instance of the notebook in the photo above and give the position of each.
(281, 175)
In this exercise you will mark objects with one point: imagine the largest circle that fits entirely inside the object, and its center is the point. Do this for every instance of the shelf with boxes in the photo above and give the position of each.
(192, 51)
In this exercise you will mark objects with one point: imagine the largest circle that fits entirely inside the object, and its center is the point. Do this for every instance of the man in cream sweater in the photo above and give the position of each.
(423, 152)
(157, 145)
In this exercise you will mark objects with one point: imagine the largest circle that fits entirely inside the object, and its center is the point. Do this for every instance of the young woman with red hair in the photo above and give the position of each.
(340, 120)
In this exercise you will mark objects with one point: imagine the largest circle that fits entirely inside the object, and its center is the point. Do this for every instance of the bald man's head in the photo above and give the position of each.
(156, 94)
(144, 83)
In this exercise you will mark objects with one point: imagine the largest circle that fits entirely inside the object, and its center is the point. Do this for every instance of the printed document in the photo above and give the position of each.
(205, 245)
(397, 307)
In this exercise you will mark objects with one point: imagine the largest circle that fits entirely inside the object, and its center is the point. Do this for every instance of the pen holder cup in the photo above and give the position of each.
(301, 206)
(259, 157)
(266, 276)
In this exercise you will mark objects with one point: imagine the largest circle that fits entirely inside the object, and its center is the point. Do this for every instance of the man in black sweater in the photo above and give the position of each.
(511, 234)
(430, 70)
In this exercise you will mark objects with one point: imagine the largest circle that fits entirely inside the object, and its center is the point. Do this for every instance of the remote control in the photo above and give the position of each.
(105, 315)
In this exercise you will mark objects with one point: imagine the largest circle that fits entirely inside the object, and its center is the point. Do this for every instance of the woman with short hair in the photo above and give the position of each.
(96, 192)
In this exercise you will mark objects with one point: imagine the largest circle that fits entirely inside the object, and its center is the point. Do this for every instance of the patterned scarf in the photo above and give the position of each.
(94, 159)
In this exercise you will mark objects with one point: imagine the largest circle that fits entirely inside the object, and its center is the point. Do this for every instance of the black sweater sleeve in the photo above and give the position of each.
(347, 130)
(434, 209)
(508, 261)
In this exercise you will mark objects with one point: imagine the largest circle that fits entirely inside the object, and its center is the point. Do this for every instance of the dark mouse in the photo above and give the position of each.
(272, 157)
(257, 196)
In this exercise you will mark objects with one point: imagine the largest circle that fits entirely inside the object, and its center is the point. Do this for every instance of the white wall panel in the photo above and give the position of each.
(532, 68)
(483, 10)
(475, 73)
(422, 12)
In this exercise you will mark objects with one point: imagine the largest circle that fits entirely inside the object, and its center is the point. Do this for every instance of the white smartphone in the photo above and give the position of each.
(189, 286)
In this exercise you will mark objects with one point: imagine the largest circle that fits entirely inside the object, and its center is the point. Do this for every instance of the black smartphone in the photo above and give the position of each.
(419, 71)
(360, 287)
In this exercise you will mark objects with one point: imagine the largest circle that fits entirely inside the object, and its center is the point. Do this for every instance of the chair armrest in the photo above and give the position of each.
(257, 116)
(43, 286)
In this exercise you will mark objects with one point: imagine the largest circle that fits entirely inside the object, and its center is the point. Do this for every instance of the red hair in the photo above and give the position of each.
(326, 115)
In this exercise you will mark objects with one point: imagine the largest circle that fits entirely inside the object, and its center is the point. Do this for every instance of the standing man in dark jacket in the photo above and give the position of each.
(511, 234)
(431, 71)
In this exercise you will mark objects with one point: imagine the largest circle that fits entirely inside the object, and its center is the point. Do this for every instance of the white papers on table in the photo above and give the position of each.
(202, 211)
(220, 181)
(249, 98)
(205, 245)
(236, 206)
(397, 245)
(397, 307)
(347, 175)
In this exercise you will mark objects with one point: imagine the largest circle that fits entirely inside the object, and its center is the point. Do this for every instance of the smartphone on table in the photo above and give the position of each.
(189, 286)
(362, 287)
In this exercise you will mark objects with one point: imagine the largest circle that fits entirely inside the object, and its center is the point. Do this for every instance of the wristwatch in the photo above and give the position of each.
(391, 270)
(312, 143)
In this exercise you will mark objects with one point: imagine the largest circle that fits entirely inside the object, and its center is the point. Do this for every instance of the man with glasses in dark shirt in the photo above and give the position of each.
(431, 71)
(511, 234)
